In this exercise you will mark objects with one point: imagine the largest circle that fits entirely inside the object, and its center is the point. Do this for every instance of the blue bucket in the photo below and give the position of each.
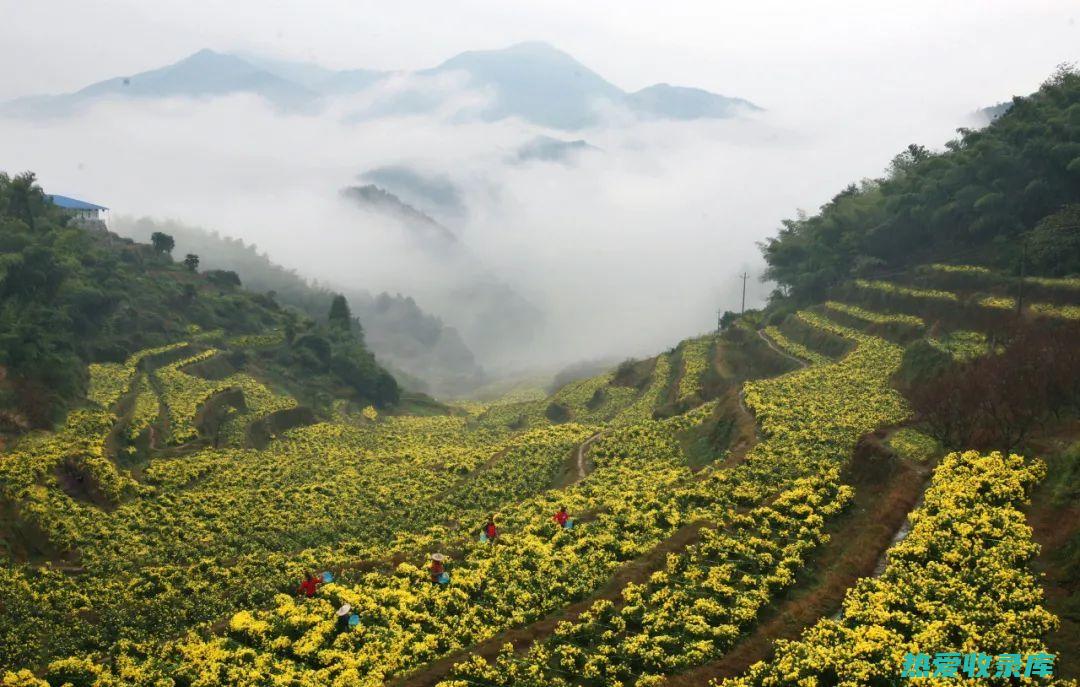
(354, 620)
(483, 536)
(569, 524)
(327, 576)
(444, 578)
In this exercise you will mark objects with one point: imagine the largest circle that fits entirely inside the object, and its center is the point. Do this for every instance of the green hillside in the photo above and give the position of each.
(991, 196)
(76, 294)
(418, 346)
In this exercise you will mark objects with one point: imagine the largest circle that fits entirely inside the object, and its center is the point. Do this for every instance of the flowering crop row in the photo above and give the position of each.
(794, 347)
(958, 269)
(978, 270)
(110, 381)
(890, 287)
(875, 317)
(146, 409)
(651, 398)
(256, 340)
(958, 582)
(592, 400)
(961, 344)
(695, 361)
(1064, 312)
(184, 394)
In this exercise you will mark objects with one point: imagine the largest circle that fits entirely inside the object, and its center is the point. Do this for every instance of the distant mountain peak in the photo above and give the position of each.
(548, 149)
(532, 80)
(422, 226)
(207, 54)
(664, 101)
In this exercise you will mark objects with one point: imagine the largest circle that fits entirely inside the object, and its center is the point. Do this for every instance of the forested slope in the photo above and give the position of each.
(991, 196)
(431, 354)
(73, 294)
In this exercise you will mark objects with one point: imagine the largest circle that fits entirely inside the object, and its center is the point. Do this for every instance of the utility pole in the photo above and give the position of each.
(742, 310)
(1020, 285)
(719, 318)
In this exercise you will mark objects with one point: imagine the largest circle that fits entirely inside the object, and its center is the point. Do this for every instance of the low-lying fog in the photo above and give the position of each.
(623, 249)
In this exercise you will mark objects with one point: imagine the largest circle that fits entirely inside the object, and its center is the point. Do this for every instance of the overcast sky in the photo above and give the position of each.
(773, 52)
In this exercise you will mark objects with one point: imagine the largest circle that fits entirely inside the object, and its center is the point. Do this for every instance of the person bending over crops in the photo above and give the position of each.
(490, 531)
(309, 585)
(438, 568)
(561, 517)
(342, 623)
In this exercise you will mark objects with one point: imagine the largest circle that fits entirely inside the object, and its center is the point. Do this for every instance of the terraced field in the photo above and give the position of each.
(159, 534)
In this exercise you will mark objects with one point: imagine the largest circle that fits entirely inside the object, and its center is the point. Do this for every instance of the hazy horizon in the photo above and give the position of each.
(627, 250)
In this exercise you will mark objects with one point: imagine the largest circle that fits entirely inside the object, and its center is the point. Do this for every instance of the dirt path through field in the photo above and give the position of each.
(581, 471)
(768, 342)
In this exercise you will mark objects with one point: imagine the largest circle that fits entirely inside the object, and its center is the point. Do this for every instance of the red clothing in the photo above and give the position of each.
(561, 517)
(437, 568)
(490, 531)
(309, 586)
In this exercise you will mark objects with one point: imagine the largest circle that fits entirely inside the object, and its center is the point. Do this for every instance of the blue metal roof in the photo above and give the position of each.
(74, 204)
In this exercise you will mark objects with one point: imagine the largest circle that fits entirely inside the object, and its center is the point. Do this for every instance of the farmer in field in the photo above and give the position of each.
(561, 517)
(438, 567)
(342, 622)
(309, 585)
(490, 531)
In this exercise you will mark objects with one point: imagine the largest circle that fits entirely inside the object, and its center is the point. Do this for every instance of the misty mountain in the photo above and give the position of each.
(424, 231)
(318, 79)
(664, 101)
(493, 318)
(536, 82)
(548, 149)
(204, 74)
(431, 193)
(532, 81)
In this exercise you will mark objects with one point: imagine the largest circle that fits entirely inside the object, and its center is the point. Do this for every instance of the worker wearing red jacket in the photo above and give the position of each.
(309, 585)
(490, 531)
(561, 517)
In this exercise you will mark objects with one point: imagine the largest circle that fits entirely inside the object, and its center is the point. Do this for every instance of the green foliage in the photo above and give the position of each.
(1054, 244)
(922, 362)
(980, 194)
(162, 243)
(402, 335)
(914, 445)
(70, 297)
(191, 261)
(339, 316)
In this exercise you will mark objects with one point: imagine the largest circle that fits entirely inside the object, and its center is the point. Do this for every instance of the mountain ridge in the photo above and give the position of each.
(533, 81)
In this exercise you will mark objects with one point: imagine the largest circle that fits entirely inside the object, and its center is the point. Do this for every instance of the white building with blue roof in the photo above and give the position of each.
(81, 209)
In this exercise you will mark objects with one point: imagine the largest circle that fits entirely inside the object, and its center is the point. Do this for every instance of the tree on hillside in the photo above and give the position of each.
(162, 242)
(340, 315)
(191, 261)
(25, 197)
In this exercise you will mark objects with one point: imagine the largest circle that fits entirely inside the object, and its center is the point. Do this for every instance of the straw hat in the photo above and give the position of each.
(344, 610)
(438, 557)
